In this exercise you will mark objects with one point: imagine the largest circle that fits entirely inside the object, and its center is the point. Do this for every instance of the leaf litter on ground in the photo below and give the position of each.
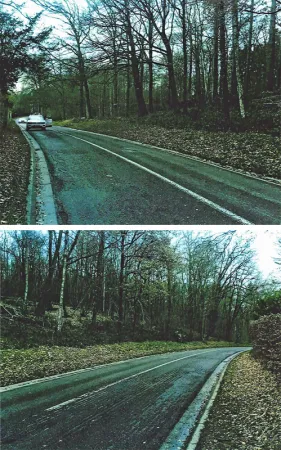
(247, 412)
(14, 176)
(250, 152)
(19, 365)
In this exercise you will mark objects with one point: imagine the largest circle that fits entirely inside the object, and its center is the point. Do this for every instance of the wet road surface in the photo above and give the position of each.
(131, 405)
(101, 180)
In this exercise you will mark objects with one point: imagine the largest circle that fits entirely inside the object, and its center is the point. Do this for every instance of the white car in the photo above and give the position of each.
(36, 121)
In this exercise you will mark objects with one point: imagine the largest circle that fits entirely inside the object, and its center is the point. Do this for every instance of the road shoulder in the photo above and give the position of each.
(246, 413)
(40, 200)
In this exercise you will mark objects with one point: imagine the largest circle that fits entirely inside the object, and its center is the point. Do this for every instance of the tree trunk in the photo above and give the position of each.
(128, 84)
(45, 299)
(216, 56)
(121, 283)
(185, 58)
(249, 55)
(238, 82)
(223, 71)
(142, 110)
(81, 93)
(3, 108)
(25, 299)
(150, 66)
(88, 100)
(190, 67)
(98, 300)
(170, 300)
(174, 103)
(61, 302)
(84, 84)
(272, 48)
(115, 81)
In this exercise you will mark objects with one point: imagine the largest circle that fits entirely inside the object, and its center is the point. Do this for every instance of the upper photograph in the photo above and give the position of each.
(140, 112)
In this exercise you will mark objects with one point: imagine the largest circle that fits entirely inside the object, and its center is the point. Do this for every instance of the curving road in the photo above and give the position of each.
(100, 180)
(131, 405)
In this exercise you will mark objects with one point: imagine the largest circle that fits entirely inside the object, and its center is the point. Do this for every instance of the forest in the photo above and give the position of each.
(213, 62)
(112, 286)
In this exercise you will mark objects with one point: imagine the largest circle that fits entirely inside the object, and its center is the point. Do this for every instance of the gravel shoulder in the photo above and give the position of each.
(14, 176)
(246, 413)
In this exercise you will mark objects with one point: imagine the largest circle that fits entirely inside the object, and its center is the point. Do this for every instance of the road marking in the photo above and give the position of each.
(183, 429)
(60, 405)
(256, 177)
(173, 183)
(72, 372)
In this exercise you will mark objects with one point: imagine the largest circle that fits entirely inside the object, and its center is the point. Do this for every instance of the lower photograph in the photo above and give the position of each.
(141, 339)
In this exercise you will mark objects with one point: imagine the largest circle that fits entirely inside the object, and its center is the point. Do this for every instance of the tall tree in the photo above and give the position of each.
(78, 28)
(223, 64)
(19, 44)
(235, 50)
(271, 74)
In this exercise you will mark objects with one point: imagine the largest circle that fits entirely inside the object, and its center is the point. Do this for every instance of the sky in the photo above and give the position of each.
(264, 244)
(267, 250)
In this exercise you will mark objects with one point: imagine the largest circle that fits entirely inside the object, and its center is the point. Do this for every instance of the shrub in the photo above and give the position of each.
(266, 338)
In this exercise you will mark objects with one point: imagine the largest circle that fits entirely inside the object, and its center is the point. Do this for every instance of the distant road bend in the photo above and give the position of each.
(131, 405)
(99, 179)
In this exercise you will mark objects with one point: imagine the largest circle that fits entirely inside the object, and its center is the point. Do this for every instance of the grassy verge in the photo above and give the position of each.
(14, 175)
(246, 414)
(253, 152)
(27, 364)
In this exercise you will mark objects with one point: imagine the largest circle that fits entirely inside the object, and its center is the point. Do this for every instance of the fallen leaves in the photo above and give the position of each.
(28, 364)
(14, 176)
(247, 411)
(252, 152)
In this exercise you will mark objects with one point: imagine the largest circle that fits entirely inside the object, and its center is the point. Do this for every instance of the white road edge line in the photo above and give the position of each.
(65, 374)
(198, 197)
(184, 428)
(195, 438)
(60, 405)
(256, 177)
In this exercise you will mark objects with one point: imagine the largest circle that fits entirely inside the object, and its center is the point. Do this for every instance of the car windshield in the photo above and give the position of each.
(36, 117)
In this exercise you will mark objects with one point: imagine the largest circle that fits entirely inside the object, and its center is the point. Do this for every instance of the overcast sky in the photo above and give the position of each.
(266, 248)
(265, 245)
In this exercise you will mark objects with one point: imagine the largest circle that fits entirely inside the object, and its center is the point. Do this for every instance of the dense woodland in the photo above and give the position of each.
(126, 57)
(136, 285)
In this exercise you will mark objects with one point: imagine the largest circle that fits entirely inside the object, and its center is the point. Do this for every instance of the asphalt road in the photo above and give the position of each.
(131, 405)
(99, 180)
